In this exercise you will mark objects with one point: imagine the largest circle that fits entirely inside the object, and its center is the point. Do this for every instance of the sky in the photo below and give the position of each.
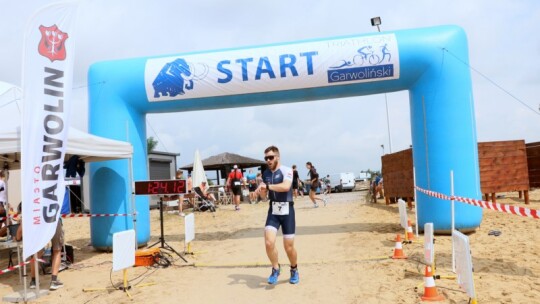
(338, 135)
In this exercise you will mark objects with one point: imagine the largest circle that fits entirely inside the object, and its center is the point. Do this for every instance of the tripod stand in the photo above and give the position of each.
(164, 244)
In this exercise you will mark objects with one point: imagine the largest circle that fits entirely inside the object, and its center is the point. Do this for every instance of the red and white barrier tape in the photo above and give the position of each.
(9, 269)
(516, 210)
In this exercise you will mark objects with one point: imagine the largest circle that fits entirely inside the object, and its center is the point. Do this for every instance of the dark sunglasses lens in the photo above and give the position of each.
(271, 157)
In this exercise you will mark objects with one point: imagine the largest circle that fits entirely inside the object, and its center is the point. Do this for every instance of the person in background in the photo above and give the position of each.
(327, 185)
(11, 223)
(379, 187)
(4, 207)
(189, 183)
(295, 181)
(251, 179)
(234, 182)
(180, 175)
(57, 243)
(314, 180)
(3, 222)
(3, 194)
(259, 182)
(301, 187)
(206, 194)
(18, 237)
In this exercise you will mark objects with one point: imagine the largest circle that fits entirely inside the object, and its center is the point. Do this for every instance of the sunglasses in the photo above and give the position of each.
(269, 157)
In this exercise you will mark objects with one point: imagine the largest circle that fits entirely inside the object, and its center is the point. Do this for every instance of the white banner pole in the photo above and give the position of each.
(36, 272)
(132, 189)
(453, 223)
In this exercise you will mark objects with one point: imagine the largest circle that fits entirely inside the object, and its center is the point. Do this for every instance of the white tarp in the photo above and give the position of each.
(88, 147)
(198, 174)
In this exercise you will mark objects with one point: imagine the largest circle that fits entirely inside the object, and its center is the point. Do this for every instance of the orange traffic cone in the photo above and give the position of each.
(398, 250)
(410, 234)
(430, 291)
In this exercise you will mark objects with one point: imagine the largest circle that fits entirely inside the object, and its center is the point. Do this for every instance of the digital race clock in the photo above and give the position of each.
(155, 187)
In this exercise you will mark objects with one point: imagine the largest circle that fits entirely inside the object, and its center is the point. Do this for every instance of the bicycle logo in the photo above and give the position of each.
(366, 56)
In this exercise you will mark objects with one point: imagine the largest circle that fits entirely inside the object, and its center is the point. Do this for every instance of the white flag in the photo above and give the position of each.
(47, 85)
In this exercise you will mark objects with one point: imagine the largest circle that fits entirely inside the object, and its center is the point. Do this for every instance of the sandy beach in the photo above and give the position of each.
(342, 249)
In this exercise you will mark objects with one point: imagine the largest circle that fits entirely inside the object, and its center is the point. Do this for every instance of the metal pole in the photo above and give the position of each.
(36, 271)
(388, 123)
(453, 227)
(133, 205)
(132, 191)
(415, 202)
(387, 116)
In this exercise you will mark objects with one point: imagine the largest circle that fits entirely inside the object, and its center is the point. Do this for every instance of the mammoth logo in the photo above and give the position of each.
(175, 77)
(52, 43)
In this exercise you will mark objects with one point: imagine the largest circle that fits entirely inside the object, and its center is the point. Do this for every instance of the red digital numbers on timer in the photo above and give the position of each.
(160, 187)
(157, 187)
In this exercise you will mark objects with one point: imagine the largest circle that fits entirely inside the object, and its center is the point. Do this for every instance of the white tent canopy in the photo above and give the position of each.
(88, 147)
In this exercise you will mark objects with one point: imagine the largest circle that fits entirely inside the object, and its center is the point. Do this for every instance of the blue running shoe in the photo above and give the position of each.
(295, 277)
(272, 279)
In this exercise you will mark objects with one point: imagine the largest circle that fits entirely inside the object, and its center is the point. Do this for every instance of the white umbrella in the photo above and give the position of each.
(198, 174)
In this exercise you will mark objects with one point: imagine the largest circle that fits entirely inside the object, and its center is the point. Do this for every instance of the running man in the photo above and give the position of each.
(314, 179)
(277, 181)
(234, 182)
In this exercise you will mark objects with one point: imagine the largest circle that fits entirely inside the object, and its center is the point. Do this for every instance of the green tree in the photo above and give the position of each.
(151, 144)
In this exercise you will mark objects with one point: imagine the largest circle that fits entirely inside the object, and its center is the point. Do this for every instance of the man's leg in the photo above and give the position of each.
(237, 202)
(272, 253)
(55, 261)
(289, 228)
(288, 244)
(57, 244)
(180, 206)
(270, 244)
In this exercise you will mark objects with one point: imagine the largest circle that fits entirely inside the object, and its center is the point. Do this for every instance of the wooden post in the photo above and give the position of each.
(520, 194)
(526, 196)
(494, 197)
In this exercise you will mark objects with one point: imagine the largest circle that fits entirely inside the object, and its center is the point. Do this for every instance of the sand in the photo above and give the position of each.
(342, 251)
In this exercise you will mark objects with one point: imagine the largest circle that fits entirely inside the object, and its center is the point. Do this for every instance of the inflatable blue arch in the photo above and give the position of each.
(431, 63)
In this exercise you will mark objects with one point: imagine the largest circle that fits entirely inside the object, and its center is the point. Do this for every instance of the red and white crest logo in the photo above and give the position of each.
(52, 43)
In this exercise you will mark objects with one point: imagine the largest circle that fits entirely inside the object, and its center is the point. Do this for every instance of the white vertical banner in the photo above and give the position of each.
(47, 84)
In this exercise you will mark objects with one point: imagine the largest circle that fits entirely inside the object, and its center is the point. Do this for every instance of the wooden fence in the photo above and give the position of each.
(503, 168)
(533, 163)
(398, 180)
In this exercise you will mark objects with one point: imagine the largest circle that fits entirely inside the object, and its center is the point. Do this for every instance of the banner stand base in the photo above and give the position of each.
(18, 297)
